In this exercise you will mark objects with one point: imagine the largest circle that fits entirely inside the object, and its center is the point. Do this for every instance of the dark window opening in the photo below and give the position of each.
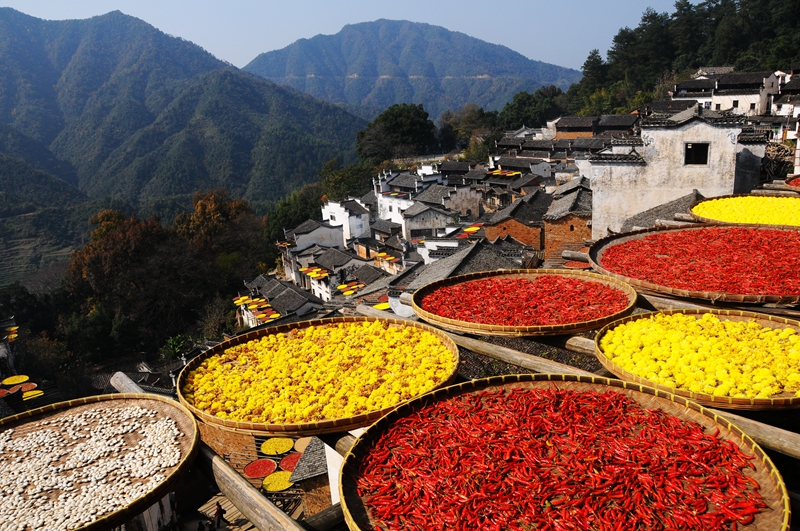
(571, 228)
(752, 106)
(735, 104)
(696, 153)
(718, 106)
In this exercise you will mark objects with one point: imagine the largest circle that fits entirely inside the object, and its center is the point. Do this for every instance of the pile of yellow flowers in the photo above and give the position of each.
(708, 355)
(321, 372)
(762, 210)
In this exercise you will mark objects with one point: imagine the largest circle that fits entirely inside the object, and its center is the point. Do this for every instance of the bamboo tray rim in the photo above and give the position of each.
(362, 443)
(514, 331)
(733, 196)
(725, 402)
(305, 428)
(598, 247)
(120, 516)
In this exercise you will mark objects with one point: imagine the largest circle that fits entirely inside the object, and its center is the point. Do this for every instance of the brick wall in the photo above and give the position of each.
(568, 232)
(525, 234)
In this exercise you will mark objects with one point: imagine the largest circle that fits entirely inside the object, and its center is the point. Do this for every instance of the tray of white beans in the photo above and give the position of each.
(92, 463)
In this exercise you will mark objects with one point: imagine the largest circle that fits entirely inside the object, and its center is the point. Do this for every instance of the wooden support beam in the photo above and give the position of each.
(668, 223)
(575, 255)
(778, 193)
(330, 518)
(682, 216)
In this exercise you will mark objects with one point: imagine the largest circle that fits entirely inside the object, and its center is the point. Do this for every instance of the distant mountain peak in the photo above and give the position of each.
(369, 66)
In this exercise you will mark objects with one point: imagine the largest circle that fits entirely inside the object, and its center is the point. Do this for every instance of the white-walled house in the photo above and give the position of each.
(352, 215)
(696, 149)
(307, 234)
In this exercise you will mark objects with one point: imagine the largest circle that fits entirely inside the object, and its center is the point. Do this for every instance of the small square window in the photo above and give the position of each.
(735, 104)
(333, 218)
(707, 105)
(390, 208)
(752, 106)
(780, 106)
(717, 107)
(696, 153)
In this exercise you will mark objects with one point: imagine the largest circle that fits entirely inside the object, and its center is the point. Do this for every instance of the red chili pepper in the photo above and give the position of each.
(473, 462)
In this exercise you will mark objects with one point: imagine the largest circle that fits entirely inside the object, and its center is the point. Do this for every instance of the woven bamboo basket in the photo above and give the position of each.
(775, 517)
(23, 423)
(788, 201)
(515, 331)
(600, 246)
(226, 436)
(781, 401)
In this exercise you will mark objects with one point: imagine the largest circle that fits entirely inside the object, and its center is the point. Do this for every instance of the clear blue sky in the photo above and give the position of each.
(560, 32)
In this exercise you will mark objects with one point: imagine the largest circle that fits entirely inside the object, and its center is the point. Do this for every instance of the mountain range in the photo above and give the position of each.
(372, 65)
(110, 112)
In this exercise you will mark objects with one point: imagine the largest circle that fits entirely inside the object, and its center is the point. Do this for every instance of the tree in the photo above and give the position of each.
(532, 110)
(340, 183)
(134, 284)
(401, 127)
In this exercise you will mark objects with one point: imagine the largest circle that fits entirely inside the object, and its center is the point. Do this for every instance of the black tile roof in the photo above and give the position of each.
(405, 180)
(369, 198)
(617, 157)
(591, 143)
(579, 202)
(354, 207)
(572, 185)
(696, 85)
(514, 163)
(792, 86)
(648, 218)
(455, 166)
(334, 258)
(312, 463)
(743, 78)
(618, 120)
(385, 226)
(666, 106)
(538, 145)
(435, 193)
(484, 257)
(305, 227)
(576, 122)
(369, 274)
(528, 208)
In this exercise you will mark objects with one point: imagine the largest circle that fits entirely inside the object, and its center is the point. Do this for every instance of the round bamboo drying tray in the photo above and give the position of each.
(24, 423)
(781, 401)
(600, 246)
(776, 516)
(515, 331)
(733, 196)
(229, 430)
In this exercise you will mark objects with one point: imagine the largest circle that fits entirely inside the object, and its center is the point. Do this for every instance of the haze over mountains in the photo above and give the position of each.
(372, 65)
(111, 112)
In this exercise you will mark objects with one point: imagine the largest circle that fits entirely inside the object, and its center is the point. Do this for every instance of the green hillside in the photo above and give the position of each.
(132, 115)
(373, 65)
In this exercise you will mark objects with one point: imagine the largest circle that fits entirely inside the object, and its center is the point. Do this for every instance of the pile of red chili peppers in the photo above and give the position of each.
(550, 459)
(515, 301)
(736, 260)
(794, 182)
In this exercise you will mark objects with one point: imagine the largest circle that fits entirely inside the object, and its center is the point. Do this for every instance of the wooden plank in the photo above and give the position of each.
(775, 193)
(682, 216)
(326, 519)
(575, 255)
(248, 500)
(672, 224)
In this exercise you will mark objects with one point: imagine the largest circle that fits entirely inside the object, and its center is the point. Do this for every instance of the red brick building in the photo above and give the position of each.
(568, 221)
